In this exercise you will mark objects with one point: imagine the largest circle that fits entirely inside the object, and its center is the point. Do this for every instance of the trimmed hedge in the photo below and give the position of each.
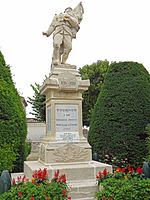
(13, 129)
(121, 113)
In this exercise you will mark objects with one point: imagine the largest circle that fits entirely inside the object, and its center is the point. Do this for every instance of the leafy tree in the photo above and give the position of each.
(96, 73)
(38, 104)
(121, 113)
(13, 128)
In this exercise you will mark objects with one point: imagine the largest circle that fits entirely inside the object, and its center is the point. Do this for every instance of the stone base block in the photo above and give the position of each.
(81, 176)
(54, 152)
(34, 155)
(83, 190)
(73, 171)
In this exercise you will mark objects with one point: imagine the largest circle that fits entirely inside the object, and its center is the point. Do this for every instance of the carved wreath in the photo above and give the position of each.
(70, 153)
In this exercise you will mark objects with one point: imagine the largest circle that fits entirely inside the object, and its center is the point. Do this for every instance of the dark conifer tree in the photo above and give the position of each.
(121, 113)
(13, 129)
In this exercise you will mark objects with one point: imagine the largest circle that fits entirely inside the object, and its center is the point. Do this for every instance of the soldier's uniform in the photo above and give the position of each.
(64, 28)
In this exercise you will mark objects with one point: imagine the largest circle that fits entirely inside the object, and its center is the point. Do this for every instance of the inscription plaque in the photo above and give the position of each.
(67, 122)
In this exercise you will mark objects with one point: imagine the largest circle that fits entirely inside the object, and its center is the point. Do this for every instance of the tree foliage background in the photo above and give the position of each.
(38, 104)
(13, 129)
(96, 72)
(121, 113)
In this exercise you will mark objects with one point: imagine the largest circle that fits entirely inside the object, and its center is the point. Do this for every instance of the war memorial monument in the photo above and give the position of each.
(64, 146)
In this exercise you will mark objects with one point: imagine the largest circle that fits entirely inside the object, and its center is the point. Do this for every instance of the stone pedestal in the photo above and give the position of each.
(64, 146)
(34, 154)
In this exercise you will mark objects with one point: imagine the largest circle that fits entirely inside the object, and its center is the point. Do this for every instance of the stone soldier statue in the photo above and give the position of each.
(64, 28)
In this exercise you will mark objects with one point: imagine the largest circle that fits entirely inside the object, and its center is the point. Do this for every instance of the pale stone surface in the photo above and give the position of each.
(15, 175)
(34, 154)
(67, 122)
(36, 131)
(64, 27)
(75, 172)
(84, 190)
(63, 89)
(54, 152)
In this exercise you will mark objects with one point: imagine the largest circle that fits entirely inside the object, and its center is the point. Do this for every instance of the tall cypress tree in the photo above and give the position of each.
(121, 113)
(13, 129)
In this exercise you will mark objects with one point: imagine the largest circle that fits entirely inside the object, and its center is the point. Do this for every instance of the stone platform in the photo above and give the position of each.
(80, 176)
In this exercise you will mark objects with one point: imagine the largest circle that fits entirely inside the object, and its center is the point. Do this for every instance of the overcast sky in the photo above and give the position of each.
(116, 30)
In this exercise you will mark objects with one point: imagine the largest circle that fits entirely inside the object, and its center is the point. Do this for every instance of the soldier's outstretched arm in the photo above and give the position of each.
(51, 27)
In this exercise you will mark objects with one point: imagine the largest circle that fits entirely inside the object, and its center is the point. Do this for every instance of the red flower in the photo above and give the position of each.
(139, 170)
(56, 174)
(118, 169)
(19, 194)
(44, 174)
(103, 198)
(24, 178)
(32, 198)
(130, 169)
(105, 172)
(110, 198)
(69, 197)
(64, 192)
(62, 178)
(34, 174)
(33, 182)
(123, 169)
(39, 174)
(19, 178)
(99, 175)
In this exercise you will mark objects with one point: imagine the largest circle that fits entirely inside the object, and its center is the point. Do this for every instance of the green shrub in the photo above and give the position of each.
(123, 185)
(7, 157)
(13, 127)
(148, 141)
(121, 114)
(134, 189)
(40, 188)
(27, 148)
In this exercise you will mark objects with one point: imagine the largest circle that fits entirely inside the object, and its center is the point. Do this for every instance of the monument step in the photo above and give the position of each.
(73, 171)
(15, 175)
(83, 190)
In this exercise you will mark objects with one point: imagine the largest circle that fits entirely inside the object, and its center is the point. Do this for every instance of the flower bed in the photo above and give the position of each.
(39, 188)
(124, 184)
